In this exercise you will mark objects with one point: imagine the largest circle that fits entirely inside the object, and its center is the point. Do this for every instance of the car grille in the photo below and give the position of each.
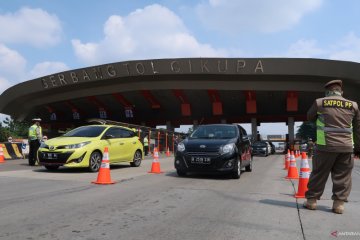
(61, 157)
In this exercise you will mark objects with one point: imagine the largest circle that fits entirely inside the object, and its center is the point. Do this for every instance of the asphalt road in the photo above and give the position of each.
(36, 204)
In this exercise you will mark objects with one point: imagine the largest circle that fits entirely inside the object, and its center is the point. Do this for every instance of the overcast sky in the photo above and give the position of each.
(41, 37)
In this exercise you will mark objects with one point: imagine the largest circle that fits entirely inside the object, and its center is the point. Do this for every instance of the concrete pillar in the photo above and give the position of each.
(254, 129)
(291, 124)
(169, 127)
(195, 123)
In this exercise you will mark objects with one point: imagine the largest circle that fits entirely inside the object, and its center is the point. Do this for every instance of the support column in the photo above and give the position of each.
(254, 129)
(169, 127)
(291, 124)
(195, 124)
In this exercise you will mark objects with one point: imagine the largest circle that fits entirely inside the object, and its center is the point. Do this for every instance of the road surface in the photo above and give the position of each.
(37, 204)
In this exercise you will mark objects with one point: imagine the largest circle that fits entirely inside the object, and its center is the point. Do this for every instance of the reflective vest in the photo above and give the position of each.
(321, 129)
(33, 135)
(146, 141)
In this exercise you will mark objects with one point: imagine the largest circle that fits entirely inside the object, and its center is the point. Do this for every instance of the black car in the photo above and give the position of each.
(222, 148)
(261, 148)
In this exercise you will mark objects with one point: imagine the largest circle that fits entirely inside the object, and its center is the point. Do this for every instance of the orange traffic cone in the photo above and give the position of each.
(155, 167)
(287, 160)
(292, 172)
(304, 176)
(2, 159)
(104, 171)
(168, 152)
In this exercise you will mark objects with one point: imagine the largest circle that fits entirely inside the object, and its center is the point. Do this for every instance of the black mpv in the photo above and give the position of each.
(221, 148)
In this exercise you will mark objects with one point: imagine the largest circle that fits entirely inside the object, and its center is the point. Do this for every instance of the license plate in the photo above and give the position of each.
(200, 160)
(50, 156)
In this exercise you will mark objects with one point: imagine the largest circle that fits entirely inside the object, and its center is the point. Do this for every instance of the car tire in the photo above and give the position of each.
(52, 168)
(181, 173)
(95, 161)
(237, 173)
(248, 168)
(137, 159)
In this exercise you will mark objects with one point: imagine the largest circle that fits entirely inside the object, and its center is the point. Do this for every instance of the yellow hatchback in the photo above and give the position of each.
(84, 147)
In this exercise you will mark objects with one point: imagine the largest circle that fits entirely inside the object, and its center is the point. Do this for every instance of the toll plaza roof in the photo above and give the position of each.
(181, 91)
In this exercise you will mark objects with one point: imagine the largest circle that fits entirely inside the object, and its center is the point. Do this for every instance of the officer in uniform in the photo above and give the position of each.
(338, 128)
(146, 145)
(35, 138)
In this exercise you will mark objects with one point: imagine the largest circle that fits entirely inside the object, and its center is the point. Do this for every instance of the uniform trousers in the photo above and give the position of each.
(340, 166)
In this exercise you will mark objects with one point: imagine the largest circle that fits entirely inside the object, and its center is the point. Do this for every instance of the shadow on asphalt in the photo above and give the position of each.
(76, 170)
(208, 176)
(292, 204)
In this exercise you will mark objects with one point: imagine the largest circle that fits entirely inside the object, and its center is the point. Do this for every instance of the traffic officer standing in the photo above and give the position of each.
(35, 138)
(337, 121)
(146, 145)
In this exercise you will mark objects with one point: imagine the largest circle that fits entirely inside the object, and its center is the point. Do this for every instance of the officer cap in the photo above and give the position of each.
(332, 82)
(36, 119)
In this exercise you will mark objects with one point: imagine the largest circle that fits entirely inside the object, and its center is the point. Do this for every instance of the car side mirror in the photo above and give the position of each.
(245, 138)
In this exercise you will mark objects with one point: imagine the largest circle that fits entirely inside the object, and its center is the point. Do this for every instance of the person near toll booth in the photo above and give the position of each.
(146, 145)
(337, 137)
(35, 138)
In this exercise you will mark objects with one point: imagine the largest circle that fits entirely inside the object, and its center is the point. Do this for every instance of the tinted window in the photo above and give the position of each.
(114, 132)
(126, 133)
(260, 144)
(117, 132)
(86, 131)
(215, 131)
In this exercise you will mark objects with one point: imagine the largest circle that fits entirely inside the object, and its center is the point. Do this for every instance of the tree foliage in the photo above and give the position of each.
(15, 129)
(307, 130)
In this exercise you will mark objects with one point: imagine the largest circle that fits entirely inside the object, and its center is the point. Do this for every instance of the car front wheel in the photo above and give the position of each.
(248, 168)
(237, 173)
(137, 159)
(95, 161)
(181, 173)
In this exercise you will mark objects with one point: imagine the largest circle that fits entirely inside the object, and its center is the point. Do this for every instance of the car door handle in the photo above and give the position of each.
(121, 143)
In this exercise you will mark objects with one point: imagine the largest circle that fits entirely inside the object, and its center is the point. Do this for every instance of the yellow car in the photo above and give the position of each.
(84, 147)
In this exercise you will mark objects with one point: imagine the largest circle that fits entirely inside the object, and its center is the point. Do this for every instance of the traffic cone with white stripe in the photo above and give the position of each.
(292, 172)
(155, 167)
(304, 176)
(2, 158)
(287, 160)
(104, 171)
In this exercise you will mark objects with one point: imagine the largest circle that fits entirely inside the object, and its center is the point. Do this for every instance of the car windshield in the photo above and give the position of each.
(86, 131)
(214, 132)
(259, 144)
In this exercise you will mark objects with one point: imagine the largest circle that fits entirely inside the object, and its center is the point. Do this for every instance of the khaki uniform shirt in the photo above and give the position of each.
(339, 113)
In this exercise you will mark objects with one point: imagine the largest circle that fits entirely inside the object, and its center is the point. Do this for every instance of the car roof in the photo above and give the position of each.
(107, 125)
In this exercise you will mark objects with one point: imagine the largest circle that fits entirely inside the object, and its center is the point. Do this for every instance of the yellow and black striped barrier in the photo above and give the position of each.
(12, 150)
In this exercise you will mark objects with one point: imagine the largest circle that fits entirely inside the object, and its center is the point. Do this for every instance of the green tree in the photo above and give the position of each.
(15, 129)
(307, 130)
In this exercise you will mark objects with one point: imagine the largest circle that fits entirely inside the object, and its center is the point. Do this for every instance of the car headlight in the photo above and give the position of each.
(264, 148)
(181, 147)
(43, 145)
(78, 145)
(228, 148)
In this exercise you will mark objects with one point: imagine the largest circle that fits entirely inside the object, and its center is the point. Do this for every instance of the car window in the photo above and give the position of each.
(114, 132)
(85, 131)
(260, 144)
(215, 131)
(117, 132)
(127, 133)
